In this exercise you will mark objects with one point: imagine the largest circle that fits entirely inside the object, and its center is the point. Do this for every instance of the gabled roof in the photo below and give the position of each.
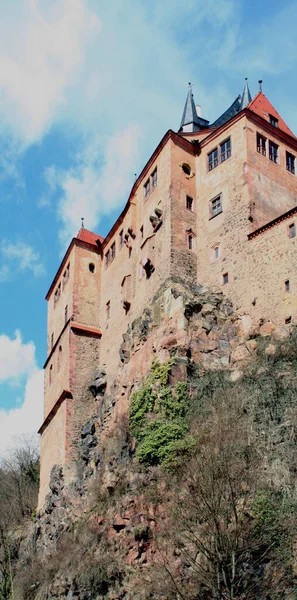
(88, 236)
(261, 106)
(229, 113)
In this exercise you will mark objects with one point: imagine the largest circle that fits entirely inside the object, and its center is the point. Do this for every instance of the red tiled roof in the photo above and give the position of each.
(88, 236)
(262, 107)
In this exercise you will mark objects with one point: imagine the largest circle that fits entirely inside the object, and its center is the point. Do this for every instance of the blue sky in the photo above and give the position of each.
(87, 90)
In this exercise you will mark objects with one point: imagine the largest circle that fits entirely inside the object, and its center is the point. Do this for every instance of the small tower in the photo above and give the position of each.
(190, 120)
(246, 97)
(73, 350)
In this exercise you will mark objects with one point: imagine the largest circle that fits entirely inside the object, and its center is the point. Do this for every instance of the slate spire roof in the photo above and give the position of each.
(190, 116)
(246, 97)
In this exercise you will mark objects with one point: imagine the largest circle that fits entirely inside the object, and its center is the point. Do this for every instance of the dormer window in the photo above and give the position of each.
(273, 121)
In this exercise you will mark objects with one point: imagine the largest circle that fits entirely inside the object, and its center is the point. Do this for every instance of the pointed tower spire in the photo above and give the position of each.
(246, 97)
(190, 120)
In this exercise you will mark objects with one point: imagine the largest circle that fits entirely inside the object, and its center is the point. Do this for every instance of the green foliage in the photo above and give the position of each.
(273, 525)
(158, 417)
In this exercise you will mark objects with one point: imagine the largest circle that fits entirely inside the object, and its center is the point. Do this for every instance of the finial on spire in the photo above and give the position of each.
(190, 120)
(82, 222)
(260, 84)
(246, 95)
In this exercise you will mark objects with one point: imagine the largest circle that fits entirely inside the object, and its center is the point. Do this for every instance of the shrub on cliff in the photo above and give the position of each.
(159, 418)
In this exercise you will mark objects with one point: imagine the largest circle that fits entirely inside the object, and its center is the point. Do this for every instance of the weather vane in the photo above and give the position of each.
(82, 222)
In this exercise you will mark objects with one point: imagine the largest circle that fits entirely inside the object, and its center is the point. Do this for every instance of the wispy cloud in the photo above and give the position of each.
(16, 358)
(92, 189)
(19, 257)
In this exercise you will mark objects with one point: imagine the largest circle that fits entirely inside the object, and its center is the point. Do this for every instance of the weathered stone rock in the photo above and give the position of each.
(270, 350)
(88, 429)
(98, 386)
(236, 375)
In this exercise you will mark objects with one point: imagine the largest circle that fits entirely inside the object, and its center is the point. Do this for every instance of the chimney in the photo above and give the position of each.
(198, 110)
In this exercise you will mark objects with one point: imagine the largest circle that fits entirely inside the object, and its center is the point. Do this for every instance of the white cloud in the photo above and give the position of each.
(18, 369)
(16, 358)
(91, 192)
(41, 60)
(19, 257)
(26, 419)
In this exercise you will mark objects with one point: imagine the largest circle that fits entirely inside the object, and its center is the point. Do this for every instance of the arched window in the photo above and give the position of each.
(59, 358)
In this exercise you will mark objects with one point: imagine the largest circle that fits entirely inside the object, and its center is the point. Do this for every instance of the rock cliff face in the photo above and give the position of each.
(193, 327)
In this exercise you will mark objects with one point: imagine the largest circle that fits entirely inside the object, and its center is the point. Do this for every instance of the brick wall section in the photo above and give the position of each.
(273, 189)
(272, 259)
(52, 449)
(230, 228)
(84, 359)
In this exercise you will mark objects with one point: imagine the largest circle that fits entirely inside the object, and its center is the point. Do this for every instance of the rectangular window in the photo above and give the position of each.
(190, 242)
(107, 258)
(52, 341)
(290, 162)
(113, 250)
(121, 236)
(57, 294)
(273, 152)
(292, 230)
(141, 231)
(225, 278)
(225, 148)
(66, 314)
(154, 177)
(261, 144)
(273, 121)
(147, 188)
(213, 159)
(287, 285)
(108, 309)
(189, 203)
(215, 207)
(217, 252)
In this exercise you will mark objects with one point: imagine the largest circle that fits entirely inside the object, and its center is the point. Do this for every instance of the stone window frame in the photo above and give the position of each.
(190, 208)
(225, 278)
(273, 152)
(212, 206)
(108, 307)
(216, 247)
(219, 154)
(154, 178)
(291, 230)
(261, 147)
(273, 121)
(107, 258)
(191, 240)
(50, 375)
(66, 275)
(290, 162)
(59, 358)
(113, 251)
(57, 294)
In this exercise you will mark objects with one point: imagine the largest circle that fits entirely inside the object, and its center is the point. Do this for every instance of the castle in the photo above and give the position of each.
(215, 204)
